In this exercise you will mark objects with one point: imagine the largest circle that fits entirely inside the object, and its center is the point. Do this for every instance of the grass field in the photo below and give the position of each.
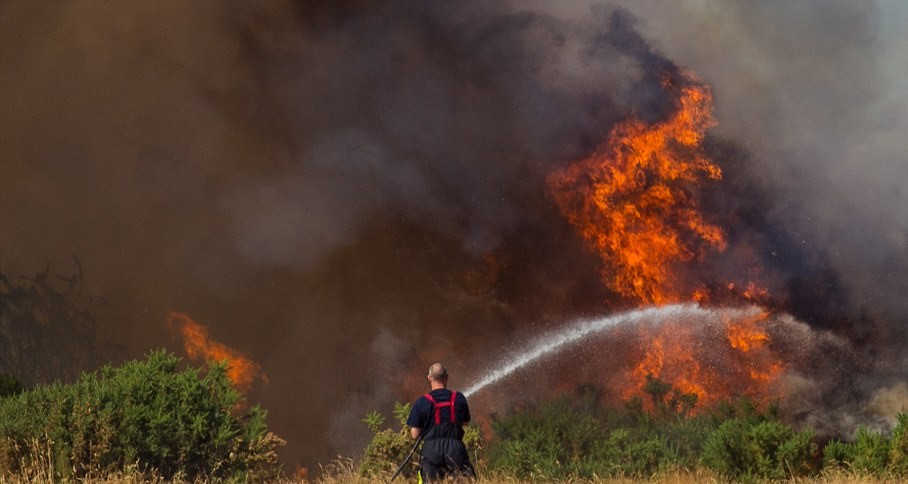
(343, 472)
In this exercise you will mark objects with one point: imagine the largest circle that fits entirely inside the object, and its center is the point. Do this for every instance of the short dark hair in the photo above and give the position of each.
(438, 372)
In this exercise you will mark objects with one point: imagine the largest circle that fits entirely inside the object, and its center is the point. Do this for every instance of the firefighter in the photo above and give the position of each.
(439, 417)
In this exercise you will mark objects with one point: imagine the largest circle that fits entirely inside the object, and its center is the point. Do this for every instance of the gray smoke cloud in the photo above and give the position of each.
(815, 91)
(321, 182)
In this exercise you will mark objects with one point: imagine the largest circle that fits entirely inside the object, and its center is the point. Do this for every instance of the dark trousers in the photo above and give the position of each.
(444, 457)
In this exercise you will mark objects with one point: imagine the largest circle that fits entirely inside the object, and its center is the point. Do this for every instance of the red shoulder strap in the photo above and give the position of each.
(453, 397)
(438, 405)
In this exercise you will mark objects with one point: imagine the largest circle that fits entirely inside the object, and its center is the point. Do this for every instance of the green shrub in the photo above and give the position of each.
(577, 437)
(624, 454)
(898, 452)
(388, 448)
(549, 440)
(836, 454)
(686, 437)
(868, 454)
(748, 450)
(147, 415)
(872, 452)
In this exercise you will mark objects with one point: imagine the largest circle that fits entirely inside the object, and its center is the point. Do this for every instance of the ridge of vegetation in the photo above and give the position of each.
(575, 438)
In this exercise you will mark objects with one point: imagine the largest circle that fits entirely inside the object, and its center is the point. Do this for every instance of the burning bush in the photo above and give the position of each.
(146, 415)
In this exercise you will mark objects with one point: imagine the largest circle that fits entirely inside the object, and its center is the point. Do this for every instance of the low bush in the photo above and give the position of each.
(872, 453)
(748, 450)
(387, 448)
(578, 437)
(549, 440)
(898, 449)
(147, 416)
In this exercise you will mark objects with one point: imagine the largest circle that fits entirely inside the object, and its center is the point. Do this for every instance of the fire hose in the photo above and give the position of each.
(409, 456)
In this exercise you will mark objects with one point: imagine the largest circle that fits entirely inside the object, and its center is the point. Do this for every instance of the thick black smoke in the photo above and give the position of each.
(344, 189)
(814, 95)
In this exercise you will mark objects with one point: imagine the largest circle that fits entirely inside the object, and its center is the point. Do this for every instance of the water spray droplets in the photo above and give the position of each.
(560, 340)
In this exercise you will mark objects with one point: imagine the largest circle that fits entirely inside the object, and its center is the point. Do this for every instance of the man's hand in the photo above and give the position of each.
(415, 431)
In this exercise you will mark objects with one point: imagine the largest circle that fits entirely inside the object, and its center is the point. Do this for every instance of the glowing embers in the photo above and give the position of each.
(631, 199)
(240, 369)
(715, 361)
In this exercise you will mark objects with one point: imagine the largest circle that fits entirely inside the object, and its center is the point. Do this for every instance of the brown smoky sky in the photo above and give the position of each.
(345, 190)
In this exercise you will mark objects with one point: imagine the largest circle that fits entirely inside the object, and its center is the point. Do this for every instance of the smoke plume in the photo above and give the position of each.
(348, 191)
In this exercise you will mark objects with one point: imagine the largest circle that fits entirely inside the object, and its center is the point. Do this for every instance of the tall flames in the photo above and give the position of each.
(634, 201)
(241, 370)
(631, 199)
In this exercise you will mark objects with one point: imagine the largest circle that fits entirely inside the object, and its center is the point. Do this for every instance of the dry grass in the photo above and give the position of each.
(343, 471)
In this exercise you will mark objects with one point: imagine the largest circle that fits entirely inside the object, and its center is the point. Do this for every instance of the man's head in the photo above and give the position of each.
(438, 375)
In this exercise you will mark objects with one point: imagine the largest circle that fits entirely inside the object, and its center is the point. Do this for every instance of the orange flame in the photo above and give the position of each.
(714, 364)
(633, 200)
(240, 369)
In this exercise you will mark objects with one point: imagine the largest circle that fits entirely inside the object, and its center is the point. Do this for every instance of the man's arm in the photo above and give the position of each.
(417, 420)
(465, 416)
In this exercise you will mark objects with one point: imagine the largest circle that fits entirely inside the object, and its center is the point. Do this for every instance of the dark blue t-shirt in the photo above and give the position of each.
(422, 415)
